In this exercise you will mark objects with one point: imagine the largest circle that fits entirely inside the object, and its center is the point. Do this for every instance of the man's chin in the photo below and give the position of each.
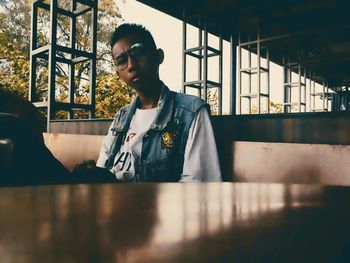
(141, 84)
(137, 84)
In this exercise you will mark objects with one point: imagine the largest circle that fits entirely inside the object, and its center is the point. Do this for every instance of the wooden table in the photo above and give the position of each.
(212, 222)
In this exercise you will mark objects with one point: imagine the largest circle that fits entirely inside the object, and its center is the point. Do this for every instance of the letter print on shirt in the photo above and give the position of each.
(124, 166)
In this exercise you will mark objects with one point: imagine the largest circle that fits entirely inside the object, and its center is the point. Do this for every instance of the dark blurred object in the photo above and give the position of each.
(6, 154)
(25, 160)
(88, 172)
(12, 104)
(341, 101)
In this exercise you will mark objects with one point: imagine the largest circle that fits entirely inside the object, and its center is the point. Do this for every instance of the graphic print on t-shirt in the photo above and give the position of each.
(124, 160)
(130, 151)
(129, 137)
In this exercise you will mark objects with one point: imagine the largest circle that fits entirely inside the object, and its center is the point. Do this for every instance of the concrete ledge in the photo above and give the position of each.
(71, 149)
(291, 163)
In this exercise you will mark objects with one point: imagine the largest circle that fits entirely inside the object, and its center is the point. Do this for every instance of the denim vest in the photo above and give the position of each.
(163, 146)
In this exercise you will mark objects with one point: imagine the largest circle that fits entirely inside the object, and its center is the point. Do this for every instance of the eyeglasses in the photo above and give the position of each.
(136, 51)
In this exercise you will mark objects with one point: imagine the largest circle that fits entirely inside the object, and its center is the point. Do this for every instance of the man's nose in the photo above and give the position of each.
(132, 63)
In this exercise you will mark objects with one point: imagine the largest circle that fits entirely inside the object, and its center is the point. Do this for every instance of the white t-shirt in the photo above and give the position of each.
(130, 151)
(201, 161)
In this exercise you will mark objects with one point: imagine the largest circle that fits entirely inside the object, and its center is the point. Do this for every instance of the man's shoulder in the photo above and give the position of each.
(190, 102)
(122, 112)
(124, 108)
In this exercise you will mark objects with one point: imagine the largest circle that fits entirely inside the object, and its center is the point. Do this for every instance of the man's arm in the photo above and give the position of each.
(201, 161)
(105, 147)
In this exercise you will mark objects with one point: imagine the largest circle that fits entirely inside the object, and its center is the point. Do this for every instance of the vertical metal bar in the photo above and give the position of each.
(200, 40)
(93, 60)
(239, 63)
(326, 96)
(258, 70)
(205, 64)
(51, 107)
(285, 84)
(304, 89)
(290, 80)
(184, 44)
(220, 74)
(233, 74)
(308, 99)
(310, 83)
(249, 77)
(323, 94)
(311, 93)
(299, 87)
(268, 79)
(33, 46)
(72, 56)
(290, 73)
(313, 96)
(347, 107)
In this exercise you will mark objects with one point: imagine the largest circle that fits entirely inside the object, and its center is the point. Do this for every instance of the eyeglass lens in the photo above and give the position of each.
(135, 51)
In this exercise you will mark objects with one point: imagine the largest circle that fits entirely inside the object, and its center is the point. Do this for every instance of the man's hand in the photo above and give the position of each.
(88, 172)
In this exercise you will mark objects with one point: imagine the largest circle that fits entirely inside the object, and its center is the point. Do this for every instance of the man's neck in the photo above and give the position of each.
(150, 95)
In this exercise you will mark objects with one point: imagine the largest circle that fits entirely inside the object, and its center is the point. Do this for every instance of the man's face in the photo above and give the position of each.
(136, 61)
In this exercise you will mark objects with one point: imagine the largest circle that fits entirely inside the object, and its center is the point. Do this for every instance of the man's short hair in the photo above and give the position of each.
(131, 28)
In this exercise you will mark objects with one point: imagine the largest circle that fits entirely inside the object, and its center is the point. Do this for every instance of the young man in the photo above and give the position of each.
(162, 136)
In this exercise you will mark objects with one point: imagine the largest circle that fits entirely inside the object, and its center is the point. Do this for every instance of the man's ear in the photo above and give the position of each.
(160, 54)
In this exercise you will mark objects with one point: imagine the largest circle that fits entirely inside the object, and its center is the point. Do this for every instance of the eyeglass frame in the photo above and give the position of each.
(129, 53)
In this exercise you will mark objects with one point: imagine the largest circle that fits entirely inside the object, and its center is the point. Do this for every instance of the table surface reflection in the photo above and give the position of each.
(209, 222)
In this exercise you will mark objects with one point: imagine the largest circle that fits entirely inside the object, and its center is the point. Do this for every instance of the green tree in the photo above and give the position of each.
(14, 55)
(213, 101)
(274, 108)
(14, 46)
